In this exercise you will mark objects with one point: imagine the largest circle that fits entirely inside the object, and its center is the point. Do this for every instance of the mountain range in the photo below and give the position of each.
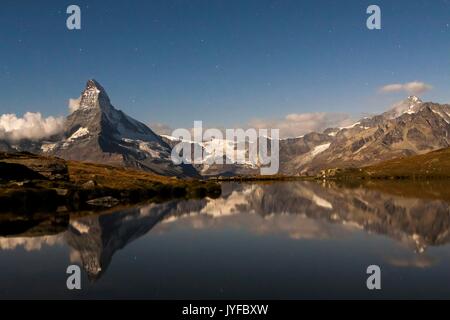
(412, 127)
(98, 132)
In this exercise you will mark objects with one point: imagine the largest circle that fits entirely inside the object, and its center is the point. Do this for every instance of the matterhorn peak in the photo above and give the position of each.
(93, 84)
(414, 99)
(94, 96)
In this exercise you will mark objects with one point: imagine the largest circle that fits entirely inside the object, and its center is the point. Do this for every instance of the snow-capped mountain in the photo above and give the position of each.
(408, 128)
(213, 162)
(411, 105)
(98, 132)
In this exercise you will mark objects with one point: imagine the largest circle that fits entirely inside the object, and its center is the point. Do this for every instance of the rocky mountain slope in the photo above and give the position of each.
(411, 127)
(97, 132)
(211, 164)
(31, 183)
(432, 165)
(5, 147)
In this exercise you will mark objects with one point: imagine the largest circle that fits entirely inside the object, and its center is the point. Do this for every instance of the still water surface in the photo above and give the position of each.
(284, 240)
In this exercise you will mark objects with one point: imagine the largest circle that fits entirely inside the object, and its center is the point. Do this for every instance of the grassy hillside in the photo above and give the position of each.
(31, 182)
(433, 165)
(115, 177)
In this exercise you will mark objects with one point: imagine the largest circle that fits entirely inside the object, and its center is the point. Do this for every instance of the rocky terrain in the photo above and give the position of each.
(411, 127)
(433, 165)
(31, 183)
(97, 132)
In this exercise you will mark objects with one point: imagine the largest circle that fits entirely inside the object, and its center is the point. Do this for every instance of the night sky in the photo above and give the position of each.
(223, 62)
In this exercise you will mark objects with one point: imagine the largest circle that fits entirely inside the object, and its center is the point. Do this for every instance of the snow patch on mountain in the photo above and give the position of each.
(79, 133)
(214, 151)
(47, 147)
(333, 133)
(361, 149)
(170, 137)
(351, 126)
(147, 148)
(444, 115)
(409, 106)
(319, 149)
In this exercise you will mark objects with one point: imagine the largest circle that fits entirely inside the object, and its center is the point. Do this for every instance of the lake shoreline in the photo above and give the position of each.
(30, 183)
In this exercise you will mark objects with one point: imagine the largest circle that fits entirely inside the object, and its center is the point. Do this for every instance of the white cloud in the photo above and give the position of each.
(161, 128)
(415, 87)
(31, 126)
(30, 244)
(292, 125)
(298, 124)
(416, 261)
(74, 104)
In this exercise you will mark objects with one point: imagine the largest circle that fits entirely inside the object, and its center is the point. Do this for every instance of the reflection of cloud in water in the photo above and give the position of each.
(298, 210)
(294, 226)
(30, 244)
(415, 222)
(413, 261)
(230, 205)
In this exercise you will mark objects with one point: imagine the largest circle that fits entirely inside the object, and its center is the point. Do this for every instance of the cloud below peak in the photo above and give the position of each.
(32, 126)
(298, 124)
(290, 126)
(414, 87)
(74, 104)
(161, 128)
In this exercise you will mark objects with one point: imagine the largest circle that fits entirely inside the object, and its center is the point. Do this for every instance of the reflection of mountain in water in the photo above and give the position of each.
(297, 209)
(424, 222)
(97, 238)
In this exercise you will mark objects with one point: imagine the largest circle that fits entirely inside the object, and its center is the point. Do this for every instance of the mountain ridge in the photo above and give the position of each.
(98, 132)
(419, 128)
